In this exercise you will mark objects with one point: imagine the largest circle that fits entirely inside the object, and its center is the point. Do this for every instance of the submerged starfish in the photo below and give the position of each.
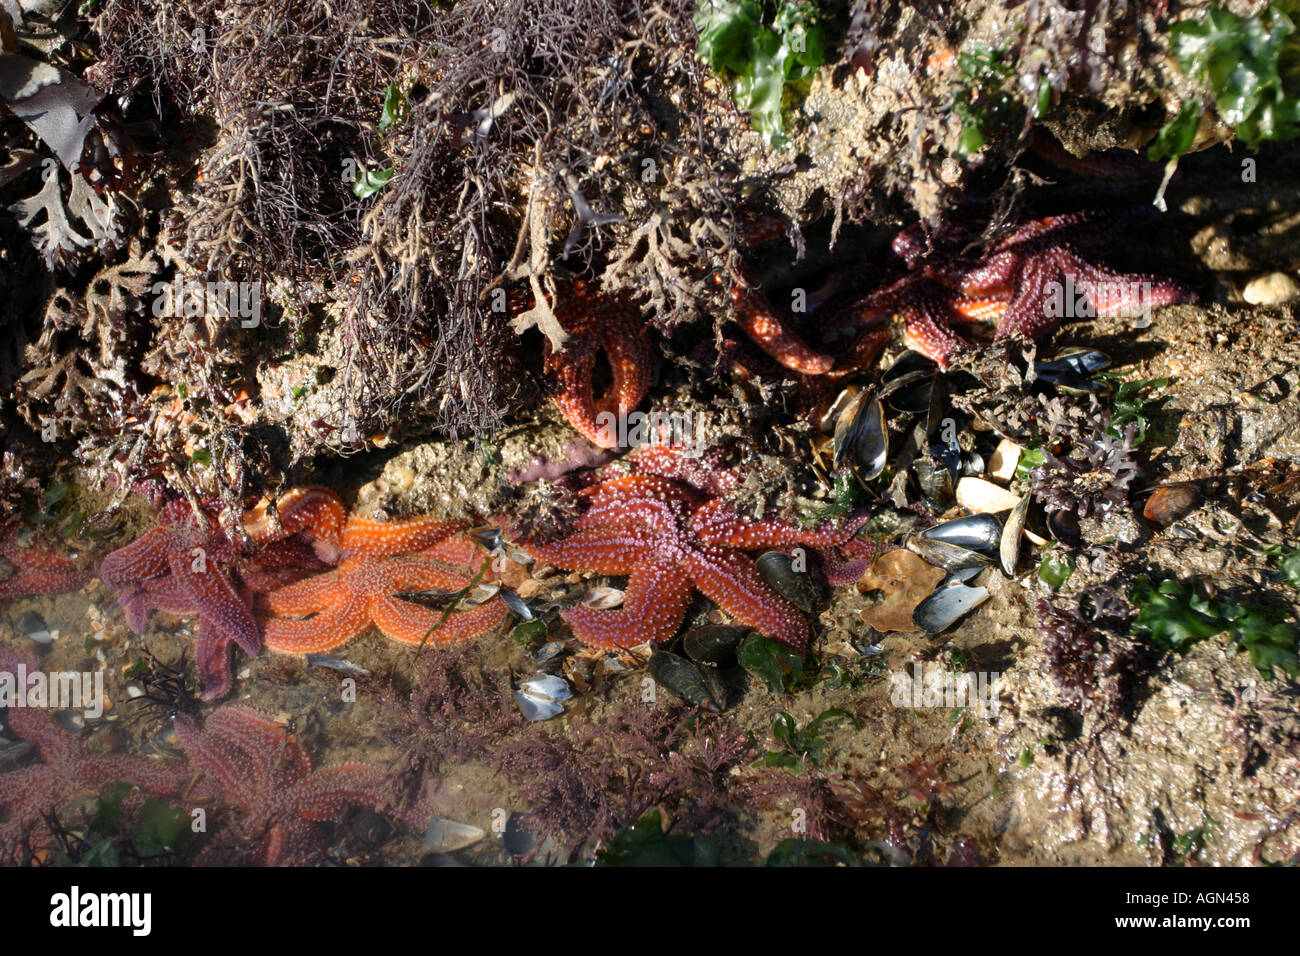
(599, 322)
(362, 591)
(182, 568)
(37, 570)
(671, 543)
(67, 770)
(1042, 272)
(265, 774)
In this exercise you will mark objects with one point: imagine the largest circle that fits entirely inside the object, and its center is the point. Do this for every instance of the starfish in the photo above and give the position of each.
(67, 770)
(670, 542)
(182, 568)
(37, 570)
(599, 322)
(771, 331)
(267, 776)
(1041, 272)
(362, 591)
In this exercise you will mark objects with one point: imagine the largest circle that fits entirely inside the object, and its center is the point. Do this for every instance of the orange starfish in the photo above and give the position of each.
(362, 591)
(599, 322)
(670, 542)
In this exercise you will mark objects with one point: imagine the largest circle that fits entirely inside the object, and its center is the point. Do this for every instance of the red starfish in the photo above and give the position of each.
(1028, 282)
(265, 774)
(37, 570)
(182, 568)
(361, 592)
(671, 543)
(66, 771)
(599, 322)
(771, 331)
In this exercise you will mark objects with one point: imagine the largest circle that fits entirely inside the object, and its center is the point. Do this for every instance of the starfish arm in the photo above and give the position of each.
(217, 758)
(656, 602)
(730, 579)
(927, 324)
(628, 349)
(308, 596)
(413, 623)
(274, 755)
(772, 334)
(317, 513)
(459, 552)
(365, 536)
(218, 604)
(40, 572)
(143, 558)
(407, 574)
(605, 550)
(327, 793)
(329, 629)
(717, 522)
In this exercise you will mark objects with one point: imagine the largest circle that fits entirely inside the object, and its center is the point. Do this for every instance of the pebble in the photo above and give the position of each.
(1003, 461)
(1271, 288)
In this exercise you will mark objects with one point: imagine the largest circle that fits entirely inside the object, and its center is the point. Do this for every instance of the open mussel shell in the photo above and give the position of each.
(713, 643)
(1063, 526)
(540, 697)
(943, 554)
(860, 438)
(1070, 369)
(1012, 534)
(908, 383)
(797, 587)
(947, 605)
(696, 683)
(981, 533)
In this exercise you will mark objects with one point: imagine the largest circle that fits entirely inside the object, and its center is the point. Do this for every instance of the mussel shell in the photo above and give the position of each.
(698, 684)
(860, 437)
(518, 606)
(1063, 526)
(950, 557)
(980, 532)
(539, 697)
(1012, 534)
(935, 482)
(800, 588)
(1069, 371)
(712, 643)
(945, 606)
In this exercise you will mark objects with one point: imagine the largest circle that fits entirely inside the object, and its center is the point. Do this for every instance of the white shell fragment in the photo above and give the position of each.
(602, 599)
(539, 697)
(444, 835)
(984, 497)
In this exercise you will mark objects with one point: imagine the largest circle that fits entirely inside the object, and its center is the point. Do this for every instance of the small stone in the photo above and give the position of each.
(1272, 288)
(529, 588)
(1003, 461)
(984, 497)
